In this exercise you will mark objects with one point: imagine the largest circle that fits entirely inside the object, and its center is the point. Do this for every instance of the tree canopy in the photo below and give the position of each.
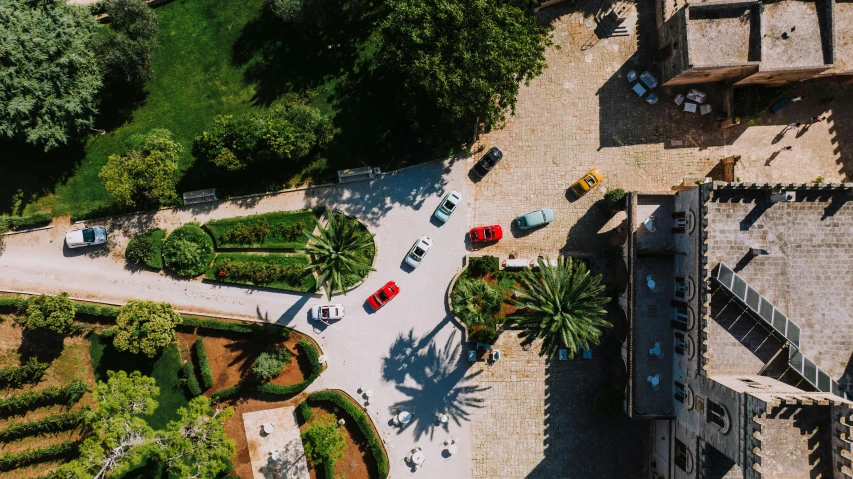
(339, 251)
(147, 170)
(323, 440)
(55, 313)
(196, 444)
(127, 47)
(145, 327)
(50, 76)
(460, 61)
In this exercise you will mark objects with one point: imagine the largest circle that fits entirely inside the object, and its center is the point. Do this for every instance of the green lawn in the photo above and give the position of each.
(305, 285)
(276, 223)
(225, 57)
(163, 368)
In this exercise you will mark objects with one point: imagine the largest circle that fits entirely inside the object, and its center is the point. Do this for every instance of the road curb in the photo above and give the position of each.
(449, 301)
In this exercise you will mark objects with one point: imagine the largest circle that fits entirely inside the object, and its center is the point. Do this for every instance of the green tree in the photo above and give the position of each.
(50, 76)
(563, 305)
(339, 251)
(127, 47)
(323, 441)
(147, 170)
(286, 132)
(55, 313)
(614, 200)
(188, 251)
(120, 437)
(286, 10)
(145, 327)
(269, 363)
(475, 301)
(196, 444)
(461, 61)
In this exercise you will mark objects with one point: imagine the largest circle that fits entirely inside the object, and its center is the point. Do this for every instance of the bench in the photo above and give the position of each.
(517, 263)
(200, 196)
(357, 174)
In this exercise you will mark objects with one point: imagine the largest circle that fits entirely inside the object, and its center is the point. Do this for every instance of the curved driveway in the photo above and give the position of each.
(409, 353)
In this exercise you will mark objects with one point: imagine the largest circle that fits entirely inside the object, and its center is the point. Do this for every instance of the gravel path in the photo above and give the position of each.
(409, 353)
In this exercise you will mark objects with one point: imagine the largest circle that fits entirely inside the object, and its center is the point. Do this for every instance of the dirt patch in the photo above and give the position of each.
(354, 463)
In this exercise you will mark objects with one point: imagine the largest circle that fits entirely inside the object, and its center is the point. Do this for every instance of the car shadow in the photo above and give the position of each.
(367, 307)
(88, 251)
(436, 222)
(570, 195)
(520, 233)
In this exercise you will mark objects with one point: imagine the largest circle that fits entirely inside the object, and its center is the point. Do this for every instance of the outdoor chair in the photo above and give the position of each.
(587, 353)
(564, 355)
(652, 99)
(472, 356)
(496, 354)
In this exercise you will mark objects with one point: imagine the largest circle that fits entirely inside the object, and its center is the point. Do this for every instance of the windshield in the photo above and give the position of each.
(88, 235)
(419, 252)
(449, 205)
(590, 180)
(383, 296)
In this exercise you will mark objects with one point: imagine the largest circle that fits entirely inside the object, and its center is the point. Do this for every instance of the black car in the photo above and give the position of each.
(488, 161)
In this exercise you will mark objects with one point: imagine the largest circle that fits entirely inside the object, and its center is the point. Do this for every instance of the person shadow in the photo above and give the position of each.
(772, 157)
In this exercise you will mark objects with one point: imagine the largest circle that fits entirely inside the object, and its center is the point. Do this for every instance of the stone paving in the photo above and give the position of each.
(537, 420)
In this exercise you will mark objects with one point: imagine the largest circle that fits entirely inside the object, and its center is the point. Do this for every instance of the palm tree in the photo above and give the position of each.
(562, 305)
(475, 301)
(342, 251)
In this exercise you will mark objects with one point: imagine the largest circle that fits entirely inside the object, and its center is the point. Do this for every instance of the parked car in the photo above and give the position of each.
(485, 234)
(86, 237)
(327, 312)
(488, 161)
(587, 182)
(385, 294)
(535, 218)
(448, 206)
(418, 251)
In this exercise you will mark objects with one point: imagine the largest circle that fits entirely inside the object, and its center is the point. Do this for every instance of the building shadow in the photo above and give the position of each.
(435, 380)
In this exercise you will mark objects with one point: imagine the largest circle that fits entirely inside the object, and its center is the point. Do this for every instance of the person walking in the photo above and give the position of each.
(796, 98)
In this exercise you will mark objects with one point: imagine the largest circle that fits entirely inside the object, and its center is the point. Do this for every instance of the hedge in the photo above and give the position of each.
(50, 424)
(97, 311)
(21, 403)
(271, 230)
(362, 421)
(288, 270)
(13, 461)
(482, 265)
(13, 305)
(189, 376)
(236, 327)
(304, 411)
(28, 373)
(203, 364)
(311, 355)
(26, 222)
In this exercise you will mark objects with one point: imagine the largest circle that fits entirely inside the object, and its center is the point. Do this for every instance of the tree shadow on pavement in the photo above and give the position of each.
(435, 380)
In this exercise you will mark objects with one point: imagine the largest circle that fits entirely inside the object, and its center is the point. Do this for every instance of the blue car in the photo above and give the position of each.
(535, 218)
(448, 206)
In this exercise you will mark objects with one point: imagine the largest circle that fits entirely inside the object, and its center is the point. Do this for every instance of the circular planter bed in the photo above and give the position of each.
(188, 251)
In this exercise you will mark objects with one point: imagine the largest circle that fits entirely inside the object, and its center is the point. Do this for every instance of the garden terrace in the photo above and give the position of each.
(280, 230)
(271, 270)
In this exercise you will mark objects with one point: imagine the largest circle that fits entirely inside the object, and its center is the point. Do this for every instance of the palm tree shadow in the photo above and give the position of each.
(442, 382)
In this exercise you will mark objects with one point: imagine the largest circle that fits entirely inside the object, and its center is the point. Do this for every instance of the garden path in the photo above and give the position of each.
(408, 353)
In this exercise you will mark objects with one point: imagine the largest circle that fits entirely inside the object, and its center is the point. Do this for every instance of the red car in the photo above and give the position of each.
(483, 234)
(385, 294)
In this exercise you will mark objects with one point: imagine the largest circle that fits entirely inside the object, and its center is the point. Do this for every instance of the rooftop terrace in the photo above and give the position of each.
(806, 275)
(723, 35)
(794, 34)
(843, 36)
(796, 442)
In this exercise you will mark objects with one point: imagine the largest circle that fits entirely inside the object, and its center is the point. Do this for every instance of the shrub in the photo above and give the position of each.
(146, 172)
(55, 313)
(227, 393)
(312, 357)
(190, 321)
(30, 372)
(189, 377)
(304, 411)
(614, 200)
(13, 305)
(257, 272)
(188, 251)
(363, 422)
(21, 403)
(146, 249)
(97, 311)
(12, 461)
(203, 363)
(14, 223)
(483, 265)
(476, 302)
(50, 424)
(269, 363)
(323, 440)
(145, 327)
(608, 402)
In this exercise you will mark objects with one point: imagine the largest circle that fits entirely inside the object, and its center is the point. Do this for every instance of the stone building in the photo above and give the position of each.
(750, 42)
(741, 334)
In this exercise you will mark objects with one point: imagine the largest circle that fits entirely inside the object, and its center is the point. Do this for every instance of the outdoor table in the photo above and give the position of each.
(654, 380)
(268, 428)
(452, 449)
(679, 99)
(652, 284)
(638, 89)
(655, 350)
(648, 79)
(418, 457)
(276, 456)
(443, 418)
(705, 109)
(404, 417)
(690, 107)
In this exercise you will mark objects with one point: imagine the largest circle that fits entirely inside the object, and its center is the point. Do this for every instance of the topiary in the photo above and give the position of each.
(188, 251)
(139, 249)
(614, 200)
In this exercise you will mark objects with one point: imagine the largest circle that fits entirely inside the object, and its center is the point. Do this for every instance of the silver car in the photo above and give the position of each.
(86, 237)
(448, 206)
(418, 251)
(327, 312)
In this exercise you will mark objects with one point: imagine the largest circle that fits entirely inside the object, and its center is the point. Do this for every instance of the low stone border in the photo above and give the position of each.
(449, 301)
(10, 233)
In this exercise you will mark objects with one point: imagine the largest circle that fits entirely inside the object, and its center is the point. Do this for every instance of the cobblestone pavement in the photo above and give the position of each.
(581, 114)
(537, 420)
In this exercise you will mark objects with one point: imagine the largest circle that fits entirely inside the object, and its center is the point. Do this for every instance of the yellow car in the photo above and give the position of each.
(587, 182)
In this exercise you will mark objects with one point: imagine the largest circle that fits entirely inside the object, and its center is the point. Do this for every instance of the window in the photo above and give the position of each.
(680, 287)
(680, 392)
(718, 416)
(683, 458)
(679, 344)
(682, 319)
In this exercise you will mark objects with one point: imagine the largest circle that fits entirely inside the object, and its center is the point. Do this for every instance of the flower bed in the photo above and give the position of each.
(280, 230)
(277, 271)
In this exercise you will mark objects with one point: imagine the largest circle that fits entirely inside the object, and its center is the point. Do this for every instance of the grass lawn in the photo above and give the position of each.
(276, 224)
(305, 285)
(226, 57)
(163, 368)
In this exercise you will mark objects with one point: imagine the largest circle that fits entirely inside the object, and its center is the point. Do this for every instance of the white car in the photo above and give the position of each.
(327, 312)
(86, 237)
(418, 251)
(448, 206)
